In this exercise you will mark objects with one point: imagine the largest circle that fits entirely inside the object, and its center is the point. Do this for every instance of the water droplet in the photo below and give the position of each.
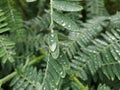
(64, 63)
(62, 74)
(69, 26)
(60, 55)
(63, 24)
(52, 35)
(53, 47)
(118, 61)
(55, 88)
(52, 40)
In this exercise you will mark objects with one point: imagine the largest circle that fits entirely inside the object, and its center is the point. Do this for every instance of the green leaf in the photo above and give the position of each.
(54, 73)
(6, 49)
(103, 87)
(29, 79)
(66, 6)
(65, 21)
(3, 23)
(53, 44)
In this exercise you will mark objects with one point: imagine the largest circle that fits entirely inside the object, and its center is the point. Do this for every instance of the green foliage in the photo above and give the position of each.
(103, 87)
(27, 79)
(6, 45)
(59, 45)
(96, 9)
(66, 6)
(55, 71)
(6, 49)
(3, 24)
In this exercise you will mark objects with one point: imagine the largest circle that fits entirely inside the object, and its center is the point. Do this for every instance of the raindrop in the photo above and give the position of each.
(53, 47)
(62, 21)
(118, 61)
(44, 88)
(69, 26)
(52, 35)
(64, 63)
(62, 74)
(51, 40)
(63, 24)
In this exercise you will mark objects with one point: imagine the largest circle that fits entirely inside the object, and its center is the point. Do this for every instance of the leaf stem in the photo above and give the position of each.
(51, 16)
(7, 78)
(10, 76)
(82, 87)
(36, 60)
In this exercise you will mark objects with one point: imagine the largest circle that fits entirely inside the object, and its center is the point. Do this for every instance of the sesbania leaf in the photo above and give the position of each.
(66, 6)
(65, 21)
(53, 45)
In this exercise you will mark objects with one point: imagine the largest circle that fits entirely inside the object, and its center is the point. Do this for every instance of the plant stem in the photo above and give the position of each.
(51, 16)
(82, 87)
(36, 60)
(10, 76)
(7, 78)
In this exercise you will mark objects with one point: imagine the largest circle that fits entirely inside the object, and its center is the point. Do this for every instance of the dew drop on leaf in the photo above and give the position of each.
(52, 35)
(44, 88)
(63, 24)
(53, 44)
(62, 74)
(53, 47)
(55, 88)
(118, 61)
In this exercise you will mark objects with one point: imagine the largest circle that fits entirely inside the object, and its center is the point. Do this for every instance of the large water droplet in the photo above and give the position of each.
(63, 24)
(53, 47)
(52, 35)
(52, 40)
(61, 73)
(69, 26)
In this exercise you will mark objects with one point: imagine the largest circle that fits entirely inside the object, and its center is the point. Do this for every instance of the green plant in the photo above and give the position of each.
(59, 45)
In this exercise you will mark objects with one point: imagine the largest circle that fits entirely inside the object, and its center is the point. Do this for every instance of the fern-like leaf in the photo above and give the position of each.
(55, 71)
(3, 23)
(96, 8)
(103, 87)
(87, 34)
(14, 18)
(29, 79)
(6, 45)
(103, 52)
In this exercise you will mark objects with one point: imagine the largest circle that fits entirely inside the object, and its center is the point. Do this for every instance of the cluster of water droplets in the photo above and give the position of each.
(65, 24)
(53, 44)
